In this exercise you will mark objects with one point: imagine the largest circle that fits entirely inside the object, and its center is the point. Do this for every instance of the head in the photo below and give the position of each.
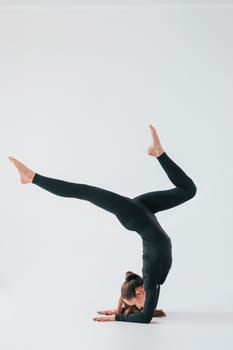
(132, 290)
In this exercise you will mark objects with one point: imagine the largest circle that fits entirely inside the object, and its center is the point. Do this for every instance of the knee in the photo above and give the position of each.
(192, 190)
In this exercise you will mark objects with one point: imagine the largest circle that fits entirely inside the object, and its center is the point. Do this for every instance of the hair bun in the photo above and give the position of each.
(129, 275)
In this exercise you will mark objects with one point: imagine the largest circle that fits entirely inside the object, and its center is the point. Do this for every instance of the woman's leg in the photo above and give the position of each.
(131, 215)
(165, 199)
(107, 200)
(123, 207)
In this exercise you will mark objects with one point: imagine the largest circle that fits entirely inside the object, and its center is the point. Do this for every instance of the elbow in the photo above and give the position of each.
(147, 318)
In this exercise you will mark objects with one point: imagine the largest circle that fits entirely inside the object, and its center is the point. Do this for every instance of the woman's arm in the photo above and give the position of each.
(119, 306)
(152, 294)
(131, 313)
(123, 308)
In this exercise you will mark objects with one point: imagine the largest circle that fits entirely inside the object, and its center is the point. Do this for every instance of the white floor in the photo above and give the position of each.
(179, 330)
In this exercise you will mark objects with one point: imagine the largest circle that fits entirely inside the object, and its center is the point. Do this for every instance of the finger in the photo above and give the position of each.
(104, 319)
(97, 318)
(101, 319)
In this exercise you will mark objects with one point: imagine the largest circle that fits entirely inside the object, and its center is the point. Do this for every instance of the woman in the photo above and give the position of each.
(135, 214)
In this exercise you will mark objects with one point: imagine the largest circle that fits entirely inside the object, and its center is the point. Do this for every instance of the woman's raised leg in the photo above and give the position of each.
(184, 188)
(123, 207)
(165, 199)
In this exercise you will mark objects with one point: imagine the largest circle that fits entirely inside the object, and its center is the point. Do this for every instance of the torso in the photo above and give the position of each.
(157, 252)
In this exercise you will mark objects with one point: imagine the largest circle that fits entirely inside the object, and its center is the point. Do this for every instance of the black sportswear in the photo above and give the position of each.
(137, 214)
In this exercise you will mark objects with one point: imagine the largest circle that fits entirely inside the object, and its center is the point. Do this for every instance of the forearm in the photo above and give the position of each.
(119, 305)
(138, 317)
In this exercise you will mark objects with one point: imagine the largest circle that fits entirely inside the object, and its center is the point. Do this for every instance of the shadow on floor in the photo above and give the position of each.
(192, 317)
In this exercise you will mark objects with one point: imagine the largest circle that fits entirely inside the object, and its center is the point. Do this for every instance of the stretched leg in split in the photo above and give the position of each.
(123, 207)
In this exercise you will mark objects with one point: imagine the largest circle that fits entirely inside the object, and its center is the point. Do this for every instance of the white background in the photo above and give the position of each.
(79, 87)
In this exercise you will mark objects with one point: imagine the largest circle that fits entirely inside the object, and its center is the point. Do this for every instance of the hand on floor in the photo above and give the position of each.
(104, 318)
(107, 312)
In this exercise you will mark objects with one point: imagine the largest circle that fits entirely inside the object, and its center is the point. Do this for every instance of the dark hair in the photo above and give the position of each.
(132, 309)
(132, 281)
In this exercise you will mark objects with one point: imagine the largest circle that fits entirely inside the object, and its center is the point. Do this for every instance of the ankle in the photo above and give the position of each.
(31, 175)
(159, 152)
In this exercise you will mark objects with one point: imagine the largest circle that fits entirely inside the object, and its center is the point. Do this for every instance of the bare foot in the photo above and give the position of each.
(155, 149)
(26, 174)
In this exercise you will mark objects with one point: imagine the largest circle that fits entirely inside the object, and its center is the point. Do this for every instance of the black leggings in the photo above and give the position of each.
(133, 213)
